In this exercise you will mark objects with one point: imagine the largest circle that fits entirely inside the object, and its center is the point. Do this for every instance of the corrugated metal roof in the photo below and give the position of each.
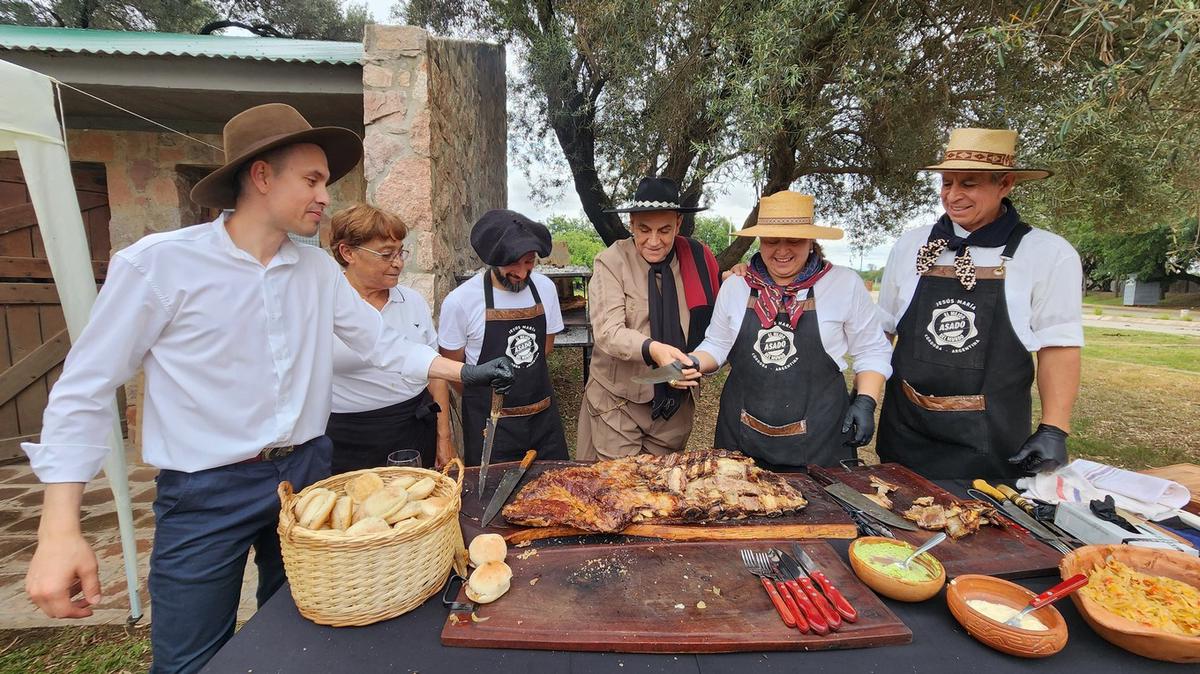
(86, 41)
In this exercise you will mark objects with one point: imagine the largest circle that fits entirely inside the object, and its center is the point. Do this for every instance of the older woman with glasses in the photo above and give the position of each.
(377, 412)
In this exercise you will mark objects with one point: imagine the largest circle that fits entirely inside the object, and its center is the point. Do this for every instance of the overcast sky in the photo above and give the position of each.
(732, 199)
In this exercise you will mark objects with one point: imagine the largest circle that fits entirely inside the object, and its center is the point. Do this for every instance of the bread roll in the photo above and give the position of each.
(410, 510)
(385, 503)
(303, 501)
(317, 511)
(343, 513)
(421, 488)
(404, 481)
(362, 486)
(433, 505)
(368, 525)
(489, 582)
(486, 548)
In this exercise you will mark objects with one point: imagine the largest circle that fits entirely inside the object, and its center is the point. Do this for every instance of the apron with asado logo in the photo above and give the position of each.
(785, 398)
(958, 403)
(529, 419)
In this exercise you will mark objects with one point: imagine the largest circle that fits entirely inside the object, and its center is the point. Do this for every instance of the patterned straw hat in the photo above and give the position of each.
(985, 150)
(788, 215)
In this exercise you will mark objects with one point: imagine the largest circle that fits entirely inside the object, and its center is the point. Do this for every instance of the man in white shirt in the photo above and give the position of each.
(234, 325)
(969, 299)
(507, 310)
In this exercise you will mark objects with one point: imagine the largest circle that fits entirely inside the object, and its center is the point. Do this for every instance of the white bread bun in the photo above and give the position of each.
(316, 512)
(486, 548)
(362, 486)
(343, 513)
(404, 481)
(421, 488)
(368, 525)
(432, 506)
(489, 582)
(385, 503)
(410, 510)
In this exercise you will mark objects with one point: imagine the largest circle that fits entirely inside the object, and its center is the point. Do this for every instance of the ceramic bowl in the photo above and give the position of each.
(1005, 638)
(895, 588)
(1148, 642)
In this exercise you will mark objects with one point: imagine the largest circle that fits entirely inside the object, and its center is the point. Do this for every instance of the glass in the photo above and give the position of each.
(401, 254)
(405, 457)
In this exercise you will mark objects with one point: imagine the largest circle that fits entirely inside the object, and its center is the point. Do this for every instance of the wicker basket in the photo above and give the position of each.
(344, 582)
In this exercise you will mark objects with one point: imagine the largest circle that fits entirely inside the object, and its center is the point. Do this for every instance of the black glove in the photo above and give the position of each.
(1044, 451)
(497, 373)
(860, 416)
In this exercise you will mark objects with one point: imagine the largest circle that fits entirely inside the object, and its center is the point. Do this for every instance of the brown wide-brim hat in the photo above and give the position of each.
(788, 215)
(992, 150)
(267, 127)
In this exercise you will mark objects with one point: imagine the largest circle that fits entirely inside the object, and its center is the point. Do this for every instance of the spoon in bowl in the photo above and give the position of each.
(941, 536)
(1049, 597)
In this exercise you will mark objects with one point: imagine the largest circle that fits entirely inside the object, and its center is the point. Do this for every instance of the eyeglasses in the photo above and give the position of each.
(401, 254)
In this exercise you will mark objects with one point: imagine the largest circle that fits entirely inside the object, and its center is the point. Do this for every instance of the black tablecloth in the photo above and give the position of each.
(278, 639)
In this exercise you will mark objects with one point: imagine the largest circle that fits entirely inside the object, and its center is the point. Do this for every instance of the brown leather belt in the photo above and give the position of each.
(271, 454)
(526, 410)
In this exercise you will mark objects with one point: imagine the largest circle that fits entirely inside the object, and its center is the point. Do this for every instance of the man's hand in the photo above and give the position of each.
(1044, 451)
(665, 354)
(63, 566)
(445, 451)
(860, 417)
(497, 373)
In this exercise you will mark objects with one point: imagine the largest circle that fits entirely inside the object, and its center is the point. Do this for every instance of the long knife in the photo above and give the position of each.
(661, 375)
(845, 492)
(985, 492)
(507, 484)
(489, 439)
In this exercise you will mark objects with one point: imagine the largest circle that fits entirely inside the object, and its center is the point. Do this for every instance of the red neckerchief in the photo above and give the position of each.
(770, 296)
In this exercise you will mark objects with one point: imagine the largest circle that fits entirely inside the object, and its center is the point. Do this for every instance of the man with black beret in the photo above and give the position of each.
(507, 310)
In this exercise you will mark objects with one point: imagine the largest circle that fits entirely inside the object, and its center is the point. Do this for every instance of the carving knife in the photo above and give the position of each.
(507, 484)
(846, 493)
(489, 439)
(661, 375)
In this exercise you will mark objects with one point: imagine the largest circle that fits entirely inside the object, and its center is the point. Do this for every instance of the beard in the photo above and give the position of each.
(507, 283)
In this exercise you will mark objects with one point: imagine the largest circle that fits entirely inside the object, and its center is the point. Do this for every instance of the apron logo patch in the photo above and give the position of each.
(952, 326)
(522, 346)
(775, 347)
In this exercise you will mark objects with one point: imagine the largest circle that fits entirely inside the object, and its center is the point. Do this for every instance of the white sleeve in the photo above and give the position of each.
(554, 319)
(728, 312)
(452, 331)
(889, 291)
(1056, 316)
(362, 328)
(865, 340)
(429, 335)
(126, 320)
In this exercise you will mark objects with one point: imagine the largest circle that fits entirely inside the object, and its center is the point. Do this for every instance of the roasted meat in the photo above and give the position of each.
(958, 520)
(703, 486)
(882, 487)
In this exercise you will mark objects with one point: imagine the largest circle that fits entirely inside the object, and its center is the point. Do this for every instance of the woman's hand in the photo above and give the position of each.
(665, 354)
(739, 269)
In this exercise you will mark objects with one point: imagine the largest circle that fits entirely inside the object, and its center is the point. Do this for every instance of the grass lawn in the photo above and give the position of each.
(75, 650)
(1171, 301)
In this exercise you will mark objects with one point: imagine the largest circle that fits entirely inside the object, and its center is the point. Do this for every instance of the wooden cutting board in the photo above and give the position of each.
(1005, 551)
(821, 518)
(645, 598)
(1186, 474)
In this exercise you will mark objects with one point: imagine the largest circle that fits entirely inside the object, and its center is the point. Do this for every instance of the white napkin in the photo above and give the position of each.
(1081, 481)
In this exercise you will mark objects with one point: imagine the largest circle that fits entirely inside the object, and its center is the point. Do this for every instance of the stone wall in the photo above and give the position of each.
(436, 129)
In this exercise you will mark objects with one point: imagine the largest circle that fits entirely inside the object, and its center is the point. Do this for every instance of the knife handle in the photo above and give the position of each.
(821, 603)
(1066, 587)
(988, 489)
(1012, 495)
(528, 460)
(810, 612)
(835, 596)
(497, 405)
(784, 612)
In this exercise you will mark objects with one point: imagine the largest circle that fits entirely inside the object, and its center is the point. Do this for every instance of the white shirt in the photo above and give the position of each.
(462, 320)
(846, 318)
(237, 356)
(1043, 285)
(357, 385)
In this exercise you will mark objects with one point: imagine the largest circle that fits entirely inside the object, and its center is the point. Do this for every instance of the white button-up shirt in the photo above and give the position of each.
(237, 356)
(360, 387)
(1043, 285)
(846, 318)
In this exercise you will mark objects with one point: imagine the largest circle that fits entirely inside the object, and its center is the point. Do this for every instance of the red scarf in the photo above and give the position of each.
(770, 296)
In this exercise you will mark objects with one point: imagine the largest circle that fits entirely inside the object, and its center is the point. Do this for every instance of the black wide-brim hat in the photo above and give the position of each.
(656, 194)
(502, 237)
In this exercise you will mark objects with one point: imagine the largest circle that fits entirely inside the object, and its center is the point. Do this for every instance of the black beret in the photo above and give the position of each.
(502, 237)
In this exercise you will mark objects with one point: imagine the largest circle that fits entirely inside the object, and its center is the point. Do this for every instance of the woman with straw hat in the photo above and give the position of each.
(969, 299)
(786, 328)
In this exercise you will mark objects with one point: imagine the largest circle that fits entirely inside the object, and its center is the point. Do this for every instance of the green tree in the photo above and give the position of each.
(582, 241)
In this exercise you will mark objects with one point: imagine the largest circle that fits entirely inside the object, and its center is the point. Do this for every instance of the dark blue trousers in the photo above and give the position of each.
(205, 524)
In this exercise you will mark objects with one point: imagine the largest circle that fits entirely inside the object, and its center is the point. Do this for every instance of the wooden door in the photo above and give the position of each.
(33, 334)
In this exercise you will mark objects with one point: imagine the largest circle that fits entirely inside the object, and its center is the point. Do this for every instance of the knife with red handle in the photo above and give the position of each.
(832, 619)
(800, 622)
(835, 596)
(815, 620)
(782, 608)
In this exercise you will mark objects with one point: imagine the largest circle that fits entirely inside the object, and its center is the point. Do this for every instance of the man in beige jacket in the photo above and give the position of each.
(651, 297)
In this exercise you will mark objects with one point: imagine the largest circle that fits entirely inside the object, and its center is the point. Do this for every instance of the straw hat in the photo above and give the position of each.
(266, 127)
(788, 215)
(985, 150)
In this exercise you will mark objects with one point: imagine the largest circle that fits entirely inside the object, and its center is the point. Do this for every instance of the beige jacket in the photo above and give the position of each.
(620, 312)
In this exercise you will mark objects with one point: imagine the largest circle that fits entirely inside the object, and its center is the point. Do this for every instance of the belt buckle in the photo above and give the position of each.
(273, 453)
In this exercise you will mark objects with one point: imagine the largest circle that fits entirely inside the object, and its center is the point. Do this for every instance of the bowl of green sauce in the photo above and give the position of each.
(877, 562)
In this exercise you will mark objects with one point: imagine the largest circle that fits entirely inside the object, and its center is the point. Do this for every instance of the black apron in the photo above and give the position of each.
(364, 439)
(958, 403)
(785, 399)
(530, 418)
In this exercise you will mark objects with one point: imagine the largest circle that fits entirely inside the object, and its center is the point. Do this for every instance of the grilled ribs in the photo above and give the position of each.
(702, 486)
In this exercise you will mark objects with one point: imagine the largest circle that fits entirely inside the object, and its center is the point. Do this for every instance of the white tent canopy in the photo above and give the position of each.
(30, 125)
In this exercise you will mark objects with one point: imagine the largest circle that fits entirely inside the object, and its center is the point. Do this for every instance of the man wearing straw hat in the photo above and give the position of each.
(969, 299)
(651, 298)
(234, 325)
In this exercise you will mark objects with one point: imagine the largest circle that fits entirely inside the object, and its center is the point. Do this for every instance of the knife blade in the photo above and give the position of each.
(507, 484)
(848, 494)
(489, 439)
(832, 618)
(839, 601)
(1014, 512)
(661, 375)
